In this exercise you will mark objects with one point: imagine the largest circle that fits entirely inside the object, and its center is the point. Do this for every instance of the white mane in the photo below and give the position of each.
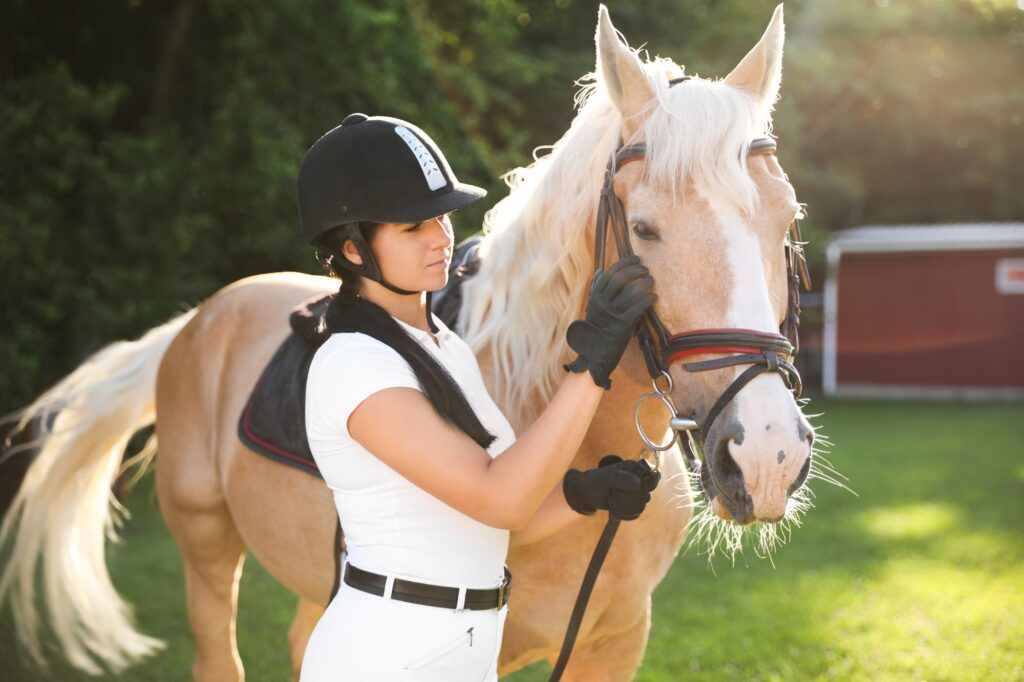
(537, 256)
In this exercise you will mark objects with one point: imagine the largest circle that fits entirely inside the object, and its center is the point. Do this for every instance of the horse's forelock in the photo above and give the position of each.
(699, 131)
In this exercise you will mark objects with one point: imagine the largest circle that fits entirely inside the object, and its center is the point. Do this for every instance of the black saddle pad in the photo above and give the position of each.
(273, 422)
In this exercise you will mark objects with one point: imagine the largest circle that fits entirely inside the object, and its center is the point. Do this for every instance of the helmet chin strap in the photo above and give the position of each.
(430, 320)
(397, 290)
(370, 269)
(404, 292)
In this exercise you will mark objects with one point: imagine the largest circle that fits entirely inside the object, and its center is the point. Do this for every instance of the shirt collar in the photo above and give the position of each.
(442, 333)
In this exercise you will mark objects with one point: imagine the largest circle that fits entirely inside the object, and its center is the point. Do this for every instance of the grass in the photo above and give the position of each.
(921, 577)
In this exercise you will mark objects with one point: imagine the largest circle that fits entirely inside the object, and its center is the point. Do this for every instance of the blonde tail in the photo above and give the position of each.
(64, 511)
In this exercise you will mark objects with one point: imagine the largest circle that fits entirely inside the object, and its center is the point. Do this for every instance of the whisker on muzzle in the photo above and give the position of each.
(711, 535)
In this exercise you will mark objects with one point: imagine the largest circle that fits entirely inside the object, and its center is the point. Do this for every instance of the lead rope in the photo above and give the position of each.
(678, 425)
(596, 561)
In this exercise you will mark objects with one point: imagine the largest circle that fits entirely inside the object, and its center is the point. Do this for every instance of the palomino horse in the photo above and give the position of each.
(710, 223)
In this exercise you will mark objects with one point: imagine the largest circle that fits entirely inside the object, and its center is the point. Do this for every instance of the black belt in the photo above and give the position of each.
(429, 595)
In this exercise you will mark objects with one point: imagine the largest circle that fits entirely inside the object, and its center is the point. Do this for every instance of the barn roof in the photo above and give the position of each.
(951, 237)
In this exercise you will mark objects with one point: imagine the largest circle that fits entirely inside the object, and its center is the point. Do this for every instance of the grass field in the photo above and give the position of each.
(920, 577)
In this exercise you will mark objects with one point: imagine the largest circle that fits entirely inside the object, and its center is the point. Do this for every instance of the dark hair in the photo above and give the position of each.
(348, 312)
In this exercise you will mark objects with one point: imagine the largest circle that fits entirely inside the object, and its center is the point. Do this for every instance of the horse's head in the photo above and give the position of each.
(711, 220)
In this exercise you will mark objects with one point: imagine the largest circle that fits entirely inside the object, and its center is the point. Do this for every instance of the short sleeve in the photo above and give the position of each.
(345, 371)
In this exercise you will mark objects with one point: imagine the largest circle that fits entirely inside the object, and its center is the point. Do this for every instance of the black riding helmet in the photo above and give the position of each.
(375, 169)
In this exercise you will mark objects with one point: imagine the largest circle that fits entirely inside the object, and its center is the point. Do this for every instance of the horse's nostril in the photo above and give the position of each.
(727, 472)
(805, 431)
(801, 478)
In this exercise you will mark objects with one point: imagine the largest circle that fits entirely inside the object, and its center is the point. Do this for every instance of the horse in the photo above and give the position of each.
(709, 222)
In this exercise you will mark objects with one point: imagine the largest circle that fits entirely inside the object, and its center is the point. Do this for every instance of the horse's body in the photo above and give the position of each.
(214, 494)
(192, 376)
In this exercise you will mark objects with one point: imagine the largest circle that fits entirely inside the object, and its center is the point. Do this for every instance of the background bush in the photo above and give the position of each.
(148, 150)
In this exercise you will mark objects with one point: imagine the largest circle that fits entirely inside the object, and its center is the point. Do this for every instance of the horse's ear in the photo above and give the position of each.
(622, 74)
(760, 72)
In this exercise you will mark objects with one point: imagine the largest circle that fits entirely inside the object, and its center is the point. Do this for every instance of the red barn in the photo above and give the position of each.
(925, 311)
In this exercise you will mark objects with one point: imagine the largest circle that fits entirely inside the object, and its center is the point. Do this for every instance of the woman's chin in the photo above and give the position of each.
(437, 281)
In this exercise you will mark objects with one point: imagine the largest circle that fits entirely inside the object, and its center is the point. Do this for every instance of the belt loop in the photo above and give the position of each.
(389, 586)
(461, 603)
(342, 566)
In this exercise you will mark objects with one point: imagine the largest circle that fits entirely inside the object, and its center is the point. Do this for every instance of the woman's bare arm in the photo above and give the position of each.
(553, 515)
(402, 429)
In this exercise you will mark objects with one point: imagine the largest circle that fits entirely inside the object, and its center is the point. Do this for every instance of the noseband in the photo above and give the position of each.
(763, 351)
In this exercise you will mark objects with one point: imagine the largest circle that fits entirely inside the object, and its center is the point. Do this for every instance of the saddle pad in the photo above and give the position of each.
(273, 423)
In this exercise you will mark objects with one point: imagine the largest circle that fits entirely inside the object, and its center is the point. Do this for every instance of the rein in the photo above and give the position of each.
(763, 351)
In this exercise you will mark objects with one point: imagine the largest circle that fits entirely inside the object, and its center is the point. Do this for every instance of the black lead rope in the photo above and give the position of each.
(596, 561)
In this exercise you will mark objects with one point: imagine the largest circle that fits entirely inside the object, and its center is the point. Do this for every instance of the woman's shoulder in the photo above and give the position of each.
(355, 348)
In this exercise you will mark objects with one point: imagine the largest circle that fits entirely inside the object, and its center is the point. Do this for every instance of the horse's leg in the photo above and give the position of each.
(213, 552)
(194, 505)
(306, 616)
(612, 658)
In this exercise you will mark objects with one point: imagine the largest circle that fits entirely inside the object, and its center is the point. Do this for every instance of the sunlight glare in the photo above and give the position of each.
(908, 521)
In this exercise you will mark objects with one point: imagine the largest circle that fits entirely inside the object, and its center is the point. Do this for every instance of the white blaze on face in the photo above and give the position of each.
(770, 450)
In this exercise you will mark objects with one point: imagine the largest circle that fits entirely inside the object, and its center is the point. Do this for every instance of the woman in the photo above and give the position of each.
(406, 436)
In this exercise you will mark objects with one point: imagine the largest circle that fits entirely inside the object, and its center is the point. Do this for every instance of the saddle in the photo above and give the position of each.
(273, 423)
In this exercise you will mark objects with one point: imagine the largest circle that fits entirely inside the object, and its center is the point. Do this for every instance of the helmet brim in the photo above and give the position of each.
(461, 195)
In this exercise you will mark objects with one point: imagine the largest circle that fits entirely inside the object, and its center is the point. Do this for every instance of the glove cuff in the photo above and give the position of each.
(580, 364)
(576, 366)
(574, 494)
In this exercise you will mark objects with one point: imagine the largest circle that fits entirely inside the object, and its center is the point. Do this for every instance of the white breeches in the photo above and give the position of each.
(365, 638)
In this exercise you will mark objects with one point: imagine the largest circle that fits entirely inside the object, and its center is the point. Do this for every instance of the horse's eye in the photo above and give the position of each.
(645, 231)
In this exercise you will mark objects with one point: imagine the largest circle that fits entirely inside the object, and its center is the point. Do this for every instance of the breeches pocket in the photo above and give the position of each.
(457, 646)
(463, 640)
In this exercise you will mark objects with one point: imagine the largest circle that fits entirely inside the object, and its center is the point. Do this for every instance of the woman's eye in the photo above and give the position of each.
(414, 227)
(645, 231)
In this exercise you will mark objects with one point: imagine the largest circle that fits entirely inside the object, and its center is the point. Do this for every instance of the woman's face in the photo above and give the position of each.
(415, 256)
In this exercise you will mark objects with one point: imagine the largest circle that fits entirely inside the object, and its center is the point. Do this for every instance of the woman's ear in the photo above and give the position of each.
(349, 251)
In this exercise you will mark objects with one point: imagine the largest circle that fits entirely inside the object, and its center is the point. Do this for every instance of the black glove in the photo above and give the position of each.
(619, 296)
(622, 487)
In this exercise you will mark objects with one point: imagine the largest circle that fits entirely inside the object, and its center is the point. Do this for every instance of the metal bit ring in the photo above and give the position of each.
(654, 461)
(651, 445)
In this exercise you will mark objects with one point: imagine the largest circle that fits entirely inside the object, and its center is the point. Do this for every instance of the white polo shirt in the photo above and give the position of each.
(392, 526)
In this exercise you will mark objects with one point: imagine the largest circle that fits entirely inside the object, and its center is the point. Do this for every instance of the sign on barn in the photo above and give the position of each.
(925, 311)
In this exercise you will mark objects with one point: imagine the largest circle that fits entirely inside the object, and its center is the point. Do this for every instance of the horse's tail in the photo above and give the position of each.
(64, 511)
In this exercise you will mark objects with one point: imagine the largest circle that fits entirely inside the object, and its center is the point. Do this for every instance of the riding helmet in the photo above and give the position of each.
(375, 169)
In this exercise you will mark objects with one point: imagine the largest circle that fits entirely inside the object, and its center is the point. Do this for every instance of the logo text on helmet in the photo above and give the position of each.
(433, 175)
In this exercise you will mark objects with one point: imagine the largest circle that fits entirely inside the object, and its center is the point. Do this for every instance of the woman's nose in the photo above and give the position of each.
(442, 234)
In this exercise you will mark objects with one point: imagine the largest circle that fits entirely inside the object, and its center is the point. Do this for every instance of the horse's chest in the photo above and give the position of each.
(547, 575)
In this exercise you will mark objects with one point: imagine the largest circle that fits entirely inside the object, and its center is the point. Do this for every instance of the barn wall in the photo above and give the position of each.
(928, 319)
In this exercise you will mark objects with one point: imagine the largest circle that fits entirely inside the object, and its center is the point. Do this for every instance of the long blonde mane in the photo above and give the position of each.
(536, 253)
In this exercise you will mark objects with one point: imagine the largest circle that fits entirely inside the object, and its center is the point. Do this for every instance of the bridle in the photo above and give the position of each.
(763, 351)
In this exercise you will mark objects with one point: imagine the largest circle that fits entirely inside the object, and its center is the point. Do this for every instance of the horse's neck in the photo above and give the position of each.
(611, 430)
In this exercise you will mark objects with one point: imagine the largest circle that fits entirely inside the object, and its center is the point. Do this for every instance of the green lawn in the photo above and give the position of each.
(921, 577)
